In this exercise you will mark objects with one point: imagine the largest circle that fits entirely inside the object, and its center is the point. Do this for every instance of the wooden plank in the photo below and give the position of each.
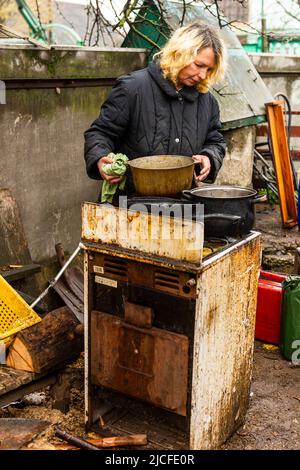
(20, 273)
(70, 299)
(12, 378)
(116, 441)
(17, 432)
(13, 244)
(26, 383)
(282, 165)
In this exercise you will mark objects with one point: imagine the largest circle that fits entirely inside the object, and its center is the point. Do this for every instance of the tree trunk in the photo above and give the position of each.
(39, 348)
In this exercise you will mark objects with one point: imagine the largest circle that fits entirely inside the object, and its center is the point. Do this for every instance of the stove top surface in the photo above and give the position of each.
(214, 245)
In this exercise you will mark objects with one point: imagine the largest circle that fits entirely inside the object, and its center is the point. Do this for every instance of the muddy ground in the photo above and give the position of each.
(273, 418)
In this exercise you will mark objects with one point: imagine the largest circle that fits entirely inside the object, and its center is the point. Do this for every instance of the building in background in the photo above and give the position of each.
(236, 11)
(72, 13)
(10, 15)
(64, 22)
(278, 21)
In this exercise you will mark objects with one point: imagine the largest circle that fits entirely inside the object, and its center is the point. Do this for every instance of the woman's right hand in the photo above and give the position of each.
(111, 179)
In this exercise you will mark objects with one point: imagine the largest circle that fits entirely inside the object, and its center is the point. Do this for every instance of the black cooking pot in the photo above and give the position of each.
(216, 225)
(228, 210)
(146, 204)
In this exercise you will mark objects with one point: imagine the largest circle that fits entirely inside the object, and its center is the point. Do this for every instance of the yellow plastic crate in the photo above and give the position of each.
(15, 314)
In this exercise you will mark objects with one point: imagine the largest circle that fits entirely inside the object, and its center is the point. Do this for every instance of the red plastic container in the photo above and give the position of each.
(267, 275)
(268, 311)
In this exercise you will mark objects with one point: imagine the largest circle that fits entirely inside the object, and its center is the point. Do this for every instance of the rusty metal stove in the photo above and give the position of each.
(173, 336)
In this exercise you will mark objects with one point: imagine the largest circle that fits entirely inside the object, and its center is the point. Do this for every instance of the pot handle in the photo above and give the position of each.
(187, 194)
(259, 198)
(235, 219)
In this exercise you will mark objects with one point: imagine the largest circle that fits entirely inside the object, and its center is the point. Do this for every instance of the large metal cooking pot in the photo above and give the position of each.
(162, 175)
(228, 210)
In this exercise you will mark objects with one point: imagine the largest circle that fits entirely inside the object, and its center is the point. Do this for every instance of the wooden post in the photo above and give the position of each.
(282, 165)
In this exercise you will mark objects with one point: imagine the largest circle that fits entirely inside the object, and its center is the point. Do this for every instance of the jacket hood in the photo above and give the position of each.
(188, 93)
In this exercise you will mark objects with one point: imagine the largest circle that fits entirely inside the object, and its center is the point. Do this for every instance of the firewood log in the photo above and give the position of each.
(39, 348)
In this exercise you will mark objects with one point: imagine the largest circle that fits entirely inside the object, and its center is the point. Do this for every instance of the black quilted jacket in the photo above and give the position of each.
(145, 115)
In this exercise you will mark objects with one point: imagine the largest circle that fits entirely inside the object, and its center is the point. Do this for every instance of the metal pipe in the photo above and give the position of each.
(71, 32)
(31, 20)
(76, 441)
(60, 273)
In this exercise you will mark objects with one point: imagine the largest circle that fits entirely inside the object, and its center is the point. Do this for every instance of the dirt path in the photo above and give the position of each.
(273, 418)
(272, 421)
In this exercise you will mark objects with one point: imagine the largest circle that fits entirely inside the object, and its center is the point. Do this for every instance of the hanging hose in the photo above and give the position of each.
(266, 173)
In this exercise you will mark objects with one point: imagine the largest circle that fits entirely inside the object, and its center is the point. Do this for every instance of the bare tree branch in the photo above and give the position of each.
(62, 15)
(86, 34)
(135, 13)
(289, 13)
(218, 13)
(38, 12)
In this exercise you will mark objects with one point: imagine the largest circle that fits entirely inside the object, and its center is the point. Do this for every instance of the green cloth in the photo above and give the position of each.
(117, 168)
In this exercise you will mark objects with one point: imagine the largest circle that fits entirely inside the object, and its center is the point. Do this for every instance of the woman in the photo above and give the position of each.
(165, 108)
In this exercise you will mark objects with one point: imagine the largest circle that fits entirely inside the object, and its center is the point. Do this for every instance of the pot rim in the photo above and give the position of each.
(197, 192)
(154, 200)
(189, 162)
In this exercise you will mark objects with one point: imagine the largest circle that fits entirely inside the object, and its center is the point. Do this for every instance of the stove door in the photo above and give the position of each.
(148, 364)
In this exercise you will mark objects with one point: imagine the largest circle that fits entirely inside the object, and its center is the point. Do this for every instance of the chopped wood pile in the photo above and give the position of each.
(59, 336)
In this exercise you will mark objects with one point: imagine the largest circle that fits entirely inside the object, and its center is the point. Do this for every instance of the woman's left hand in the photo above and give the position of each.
(204, 164)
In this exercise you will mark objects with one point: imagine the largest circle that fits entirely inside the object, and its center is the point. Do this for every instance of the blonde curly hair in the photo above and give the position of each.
(184, 46)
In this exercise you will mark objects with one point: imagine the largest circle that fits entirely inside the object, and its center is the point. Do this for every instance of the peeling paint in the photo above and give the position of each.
(223, 347)
(166, 237)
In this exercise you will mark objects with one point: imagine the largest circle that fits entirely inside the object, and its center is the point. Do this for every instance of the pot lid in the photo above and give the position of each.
(223, 192)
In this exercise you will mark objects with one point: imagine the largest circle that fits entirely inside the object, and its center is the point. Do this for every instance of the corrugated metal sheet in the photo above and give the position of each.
(242, 94)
